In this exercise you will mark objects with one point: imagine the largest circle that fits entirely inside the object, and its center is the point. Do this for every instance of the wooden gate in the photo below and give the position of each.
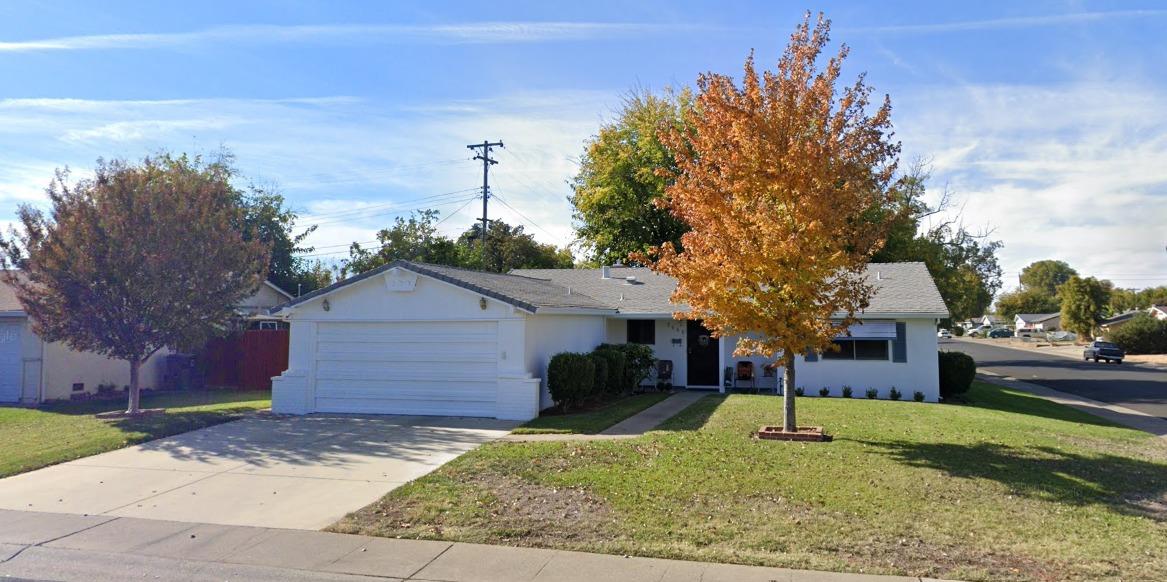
(247, 359)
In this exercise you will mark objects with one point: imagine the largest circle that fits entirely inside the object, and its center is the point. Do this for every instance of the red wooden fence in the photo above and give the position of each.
(248, 359)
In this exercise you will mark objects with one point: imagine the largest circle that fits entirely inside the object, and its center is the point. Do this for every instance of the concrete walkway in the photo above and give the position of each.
(631, 427)
(1117, 414)
(46, 546)
(292, 472)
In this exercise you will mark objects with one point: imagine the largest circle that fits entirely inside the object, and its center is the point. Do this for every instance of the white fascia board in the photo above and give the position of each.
(570, 311)
(623, 315)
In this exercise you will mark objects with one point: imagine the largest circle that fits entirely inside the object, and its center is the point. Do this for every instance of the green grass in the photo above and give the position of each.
(591, 421)
(1009, 487)
(37, 437)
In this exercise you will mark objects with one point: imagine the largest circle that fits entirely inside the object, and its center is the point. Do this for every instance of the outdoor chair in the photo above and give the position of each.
(745, 373)
(664, 372)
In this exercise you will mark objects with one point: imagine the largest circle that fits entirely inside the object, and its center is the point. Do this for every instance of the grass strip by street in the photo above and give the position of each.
(1007, 487)
(63, 431)
(592, 421)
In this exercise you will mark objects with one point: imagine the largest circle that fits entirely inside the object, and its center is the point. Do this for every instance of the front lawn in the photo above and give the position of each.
(591, 421)
(58, 432)
(1008, 487)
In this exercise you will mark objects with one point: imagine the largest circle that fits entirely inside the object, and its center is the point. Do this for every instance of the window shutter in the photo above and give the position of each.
(810, 356)
(899, 347)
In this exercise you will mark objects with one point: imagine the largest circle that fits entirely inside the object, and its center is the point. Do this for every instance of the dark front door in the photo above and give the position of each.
(702, 359)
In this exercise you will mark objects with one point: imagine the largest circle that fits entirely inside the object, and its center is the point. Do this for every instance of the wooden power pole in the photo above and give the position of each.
(487, 162)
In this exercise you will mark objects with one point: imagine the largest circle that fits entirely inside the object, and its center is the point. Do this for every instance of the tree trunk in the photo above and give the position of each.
(788, 421)
(134, 406)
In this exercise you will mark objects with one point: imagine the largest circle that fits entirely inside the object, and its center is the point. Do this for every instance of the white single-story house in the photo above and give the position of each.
(33, 370)
(1158, 311)
(410, 338)
(1037, 321)
(992, 321)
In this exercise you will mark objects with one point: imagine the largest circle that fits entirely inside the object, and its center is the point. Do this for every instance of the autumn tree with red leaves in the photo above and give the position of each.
(784, 181)
(138, 258)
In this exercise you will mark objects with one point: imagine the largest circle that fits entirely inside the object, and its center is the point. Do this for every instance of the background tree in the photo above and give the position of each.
(963, 264)
(1122, 300)
(412, 239)
(1046, 276)
(267, 218)
(509, 248)
(1026, 301)
(615, 191)
(777, 180)
(139, 258)
(1083, 304)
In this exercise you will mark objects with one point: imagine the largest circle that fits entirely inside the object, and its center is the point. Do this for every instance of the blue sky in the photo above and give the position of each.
(1045, 120)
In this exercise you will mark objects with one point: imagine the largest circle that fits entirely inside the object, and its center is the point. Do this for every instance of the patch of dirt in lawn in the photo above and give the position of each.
(492, 508)
(1150, 506)
(923, 557)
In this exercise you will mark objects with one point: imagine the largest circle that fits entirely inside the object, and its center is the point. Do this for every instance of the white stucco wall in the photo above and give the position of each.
(547, 335)
(63, 367)
(667, 330)
(921, 372)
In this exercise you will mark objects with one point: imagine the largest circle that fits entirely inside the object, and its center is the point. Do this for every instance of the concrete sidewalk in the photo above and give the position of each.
(631, 427)
(94, 548)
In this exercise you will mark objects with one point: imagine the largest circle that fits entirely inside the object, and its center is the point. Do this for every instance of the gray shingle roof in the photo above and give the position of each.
(1036, 317)
(523, 292)
(900, 288)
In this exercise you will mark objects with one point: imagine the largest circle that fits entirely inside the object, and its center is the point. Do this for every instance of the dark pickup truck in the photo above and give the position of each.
(1104, 351)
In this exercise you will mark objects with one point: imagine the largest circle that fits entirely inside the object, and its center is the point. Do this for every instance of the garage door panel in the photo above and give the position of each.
(10, 361)
(444, 368)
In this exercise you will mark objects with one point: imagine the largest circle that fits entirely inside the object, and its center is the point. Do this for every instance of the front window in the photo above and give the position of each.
(642, 331)
(858, 349)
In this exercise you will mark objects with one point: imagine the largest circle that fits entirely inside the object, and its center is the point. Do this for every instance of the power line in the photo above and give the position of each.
(393, 211)
(524, 216)
(348, 246)
(487, 162)
(364, 209)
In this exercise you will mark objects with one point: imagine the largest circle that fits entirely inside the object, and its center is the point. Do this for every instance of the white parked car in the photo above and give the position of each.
(944, 333)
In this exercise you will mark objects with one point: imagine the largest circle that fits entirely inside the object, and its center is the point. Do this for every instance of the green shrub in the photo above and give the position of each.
(958, 331)
(614, 384)
(872, 393)
(639, 361)
(918, 396)
(600, 377)
(957, 372)
(799, 391)
(1143, 334)
(824, 391)
(894, 394)
(847, 391)
(570, 377)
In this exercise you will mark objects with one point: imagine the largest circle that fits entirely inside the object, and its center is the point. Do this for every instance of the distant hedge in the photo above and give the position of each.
(1143, 334)
(957, 372)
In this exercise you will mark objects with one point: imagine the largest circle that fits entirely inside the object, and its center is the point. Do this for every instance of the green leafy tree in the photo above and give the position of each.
(1026, 301)
(412, 239)
(509, 247)
(963, 264)
(267, 218)
(1046, 276)
(1122, 300)
(141, 257)
(615, 191)
(1083, 304)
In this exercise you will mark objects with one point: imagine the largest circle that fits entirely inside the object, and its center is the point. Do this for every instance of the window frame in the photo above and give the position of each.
(643, 327)
(849, 352)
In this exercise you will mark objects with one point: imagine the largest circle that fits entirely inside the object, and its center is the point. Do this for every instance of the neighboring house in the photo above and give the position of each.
(33, 370)
(1114, 322)
(1037, 321)
(409, 338)
(992, 321)
(1158, 311)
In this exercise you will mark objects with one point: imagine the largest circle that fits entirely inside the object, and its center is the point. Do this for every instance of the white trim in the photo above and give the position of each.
(398, 319)
(571, 311)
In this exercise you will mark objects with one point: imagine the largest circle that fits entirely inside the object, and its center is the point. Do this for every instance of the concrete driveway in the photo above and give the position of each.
(298, 472)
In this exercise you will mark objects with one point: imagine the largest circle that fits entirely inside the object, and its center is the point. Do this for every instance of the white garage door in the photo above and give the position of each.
(10, 362)
(447, 368)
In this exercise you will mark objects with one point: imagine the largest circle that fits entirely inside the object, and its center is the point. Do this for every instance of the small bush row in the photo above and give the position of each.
(608, 371)
(872, 393)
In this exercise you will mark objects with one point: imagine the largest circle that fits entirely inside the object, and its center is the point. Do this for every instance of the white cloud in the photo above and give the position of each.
(1005, 23)
(465, 33)
(1072, 172)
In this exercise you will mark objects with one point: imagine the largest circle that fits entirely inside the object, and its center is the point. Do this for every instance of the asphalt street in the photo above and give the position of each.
(1137, 387)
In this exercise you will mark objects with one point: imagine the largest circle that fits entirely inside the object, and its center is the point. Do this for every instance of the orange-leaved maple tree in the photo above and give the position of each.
(784, 181)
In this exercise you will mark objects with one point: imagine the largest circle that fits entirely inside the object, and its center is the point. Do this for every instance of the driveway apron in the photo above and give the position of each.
(298, 472)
